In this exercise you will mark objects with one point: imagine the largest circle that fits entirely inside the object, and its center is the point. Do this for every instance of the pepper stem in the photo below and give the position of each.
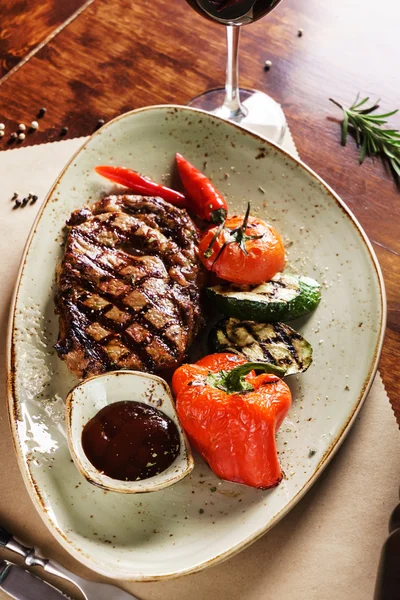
(233, 381)
(218, 215)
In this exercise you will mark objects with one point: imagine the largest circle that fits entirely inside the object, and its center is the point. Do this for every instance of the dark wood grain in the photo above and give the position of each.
(25, 25)
(119, 55)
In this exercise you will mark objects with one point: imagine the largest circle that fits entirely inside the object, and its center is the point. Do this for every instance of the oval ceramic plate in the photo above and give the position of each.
(200, 520)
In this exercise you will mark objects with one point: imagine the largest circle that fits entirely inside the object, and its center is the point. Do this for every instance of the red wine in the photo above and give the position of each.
(233, 12)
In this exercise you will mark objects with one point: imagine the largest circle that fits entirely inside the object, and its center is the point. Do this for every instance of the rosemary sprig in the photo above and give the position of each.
(371, 136)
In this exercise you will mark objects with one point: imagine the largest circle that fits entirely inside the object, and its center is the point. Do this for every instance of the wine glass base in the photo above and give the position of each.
(263, 115)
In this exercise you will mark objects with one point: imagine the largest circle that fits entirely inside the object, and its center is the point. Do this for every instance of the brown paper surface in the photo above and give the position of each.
(327, 547)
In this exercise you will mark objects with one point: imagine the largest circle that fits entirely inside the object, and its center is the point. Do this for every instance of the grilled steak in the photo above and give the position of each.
(128, 287)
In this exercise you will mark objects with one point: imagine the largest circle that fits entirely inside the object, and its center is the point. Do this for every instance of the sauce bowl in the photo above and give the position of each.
(86, 399)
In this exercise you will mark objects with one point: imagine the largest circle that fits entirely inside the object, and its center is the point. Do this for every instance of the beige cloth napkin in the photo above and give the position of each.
(327, 547)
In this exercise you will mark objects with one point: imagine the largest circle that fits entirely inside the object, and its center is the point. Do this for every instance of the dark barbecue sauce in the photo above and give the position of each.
(130, 441)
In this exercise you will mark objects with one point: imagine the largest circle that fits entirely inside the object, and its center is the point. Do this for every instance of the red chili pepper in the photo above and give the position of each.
(231, 415)
(141, 185)
(209, 203)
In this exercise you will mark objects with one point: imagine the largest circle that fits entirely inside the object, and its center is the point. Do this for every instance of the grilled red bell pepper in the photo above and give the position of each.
(141, 185)
(208, 203)
(231, 416)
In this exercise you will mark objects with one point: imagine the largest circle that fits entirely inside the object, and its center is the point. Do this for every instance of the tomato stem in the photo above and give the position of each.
(237, 235)
(209, 248)
(240, 232)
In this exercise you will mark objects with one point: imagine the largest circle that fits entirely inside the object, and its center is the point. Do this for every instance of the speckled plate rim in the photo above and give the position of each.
(13, 404)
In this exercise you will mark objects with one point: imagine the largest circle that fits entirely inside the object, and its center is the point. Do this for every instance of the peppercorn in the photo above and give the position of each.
(17, 204)
(34, 199)
(267, 65)
(100, 123)
(64, 131)
(42, 112)
(300, 33)
(24, 202)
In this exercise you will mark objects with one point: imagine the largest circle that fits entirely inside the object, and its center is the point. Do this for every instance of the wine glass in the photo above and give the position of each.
(252, 109)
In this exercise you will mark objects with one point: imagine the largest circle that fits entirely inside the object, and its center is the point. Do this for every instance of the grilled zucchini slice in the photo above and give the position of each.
(275, 343)
(284, 298)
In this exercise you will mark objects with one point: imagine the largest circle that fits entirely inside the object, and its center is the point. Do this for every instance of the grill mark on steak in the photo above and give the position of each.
(131, 243)
(185, 237)
(131, 278)
(77, 332)
(152, 211)
(128, 341)
(101, 317)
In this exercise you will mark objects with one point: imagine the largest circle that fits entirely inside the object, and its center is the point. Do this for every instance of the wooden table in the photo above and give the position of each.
(86, 60)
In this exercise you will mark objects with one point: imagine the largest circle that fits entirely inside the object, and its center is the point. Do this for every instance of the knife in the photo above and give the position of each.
(388, 580)
(90, 589)
(21, 585)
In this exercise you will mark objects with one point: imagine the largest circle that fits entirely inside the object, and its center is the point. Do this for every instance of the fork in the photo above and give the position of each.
(89, 589)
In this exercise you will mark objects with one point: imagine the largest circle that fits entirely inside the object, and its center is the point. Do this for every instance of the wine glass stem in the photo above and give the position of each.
(232, 107)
